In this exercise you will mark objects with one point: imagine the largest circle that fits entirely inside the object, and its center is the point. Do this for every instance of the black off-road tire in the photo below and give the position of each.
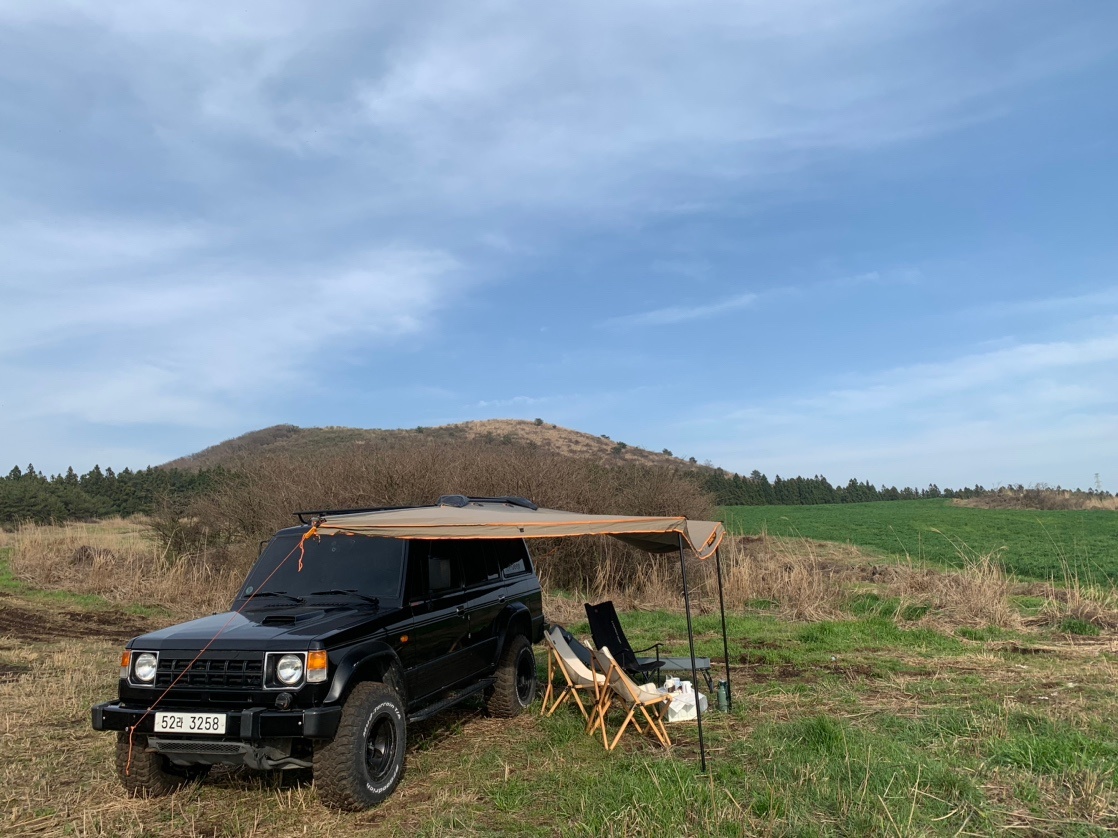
(515, 687)
(365, 761)
(150, 774)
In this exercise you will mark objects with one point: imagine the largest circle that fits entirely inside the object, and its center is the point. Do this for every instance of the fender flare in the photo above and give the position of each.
(372, 656)
(515, 619)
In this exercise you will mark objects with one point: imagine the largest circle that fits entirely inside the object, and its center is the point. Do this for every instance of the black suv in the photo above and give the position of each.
(323, 667)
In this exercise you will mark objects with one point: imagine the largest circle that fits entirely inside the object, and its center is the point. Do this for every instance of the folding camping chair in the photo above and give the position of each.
(632, 697)
(607, 632)
(606, 628)
(578, 676)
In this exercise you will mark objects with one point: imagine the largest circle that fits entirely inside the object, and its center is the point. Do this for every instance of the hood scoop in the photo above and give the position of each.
(291, 619)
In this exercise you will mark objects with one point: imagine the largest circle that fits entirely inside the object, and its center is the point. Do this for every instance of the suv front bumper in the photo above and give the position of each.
(249, 724)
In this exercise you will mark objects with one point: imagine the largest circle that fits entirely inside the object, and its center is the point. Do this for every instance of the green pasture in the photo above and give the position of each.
(1031, 544)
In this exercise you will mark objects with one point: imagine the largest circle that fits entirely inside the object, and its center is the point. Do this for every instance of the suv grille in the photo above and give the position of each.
(219, 673)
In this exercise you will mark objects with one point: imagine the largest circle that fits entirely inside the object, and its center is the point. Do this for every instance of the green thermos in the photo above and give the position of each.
(723, 696)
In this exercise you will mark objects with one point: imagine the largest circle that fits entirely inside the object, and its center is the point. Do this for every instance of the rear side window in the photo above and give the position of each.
(512, 555)
(444, 571)
(454, 563)
(479, 562)
(443, 574)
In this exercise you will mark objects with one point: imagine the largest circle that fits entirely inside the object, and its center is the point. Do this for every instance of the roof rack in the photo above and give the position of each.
(462, 500)
(307, 516)
(318, 513)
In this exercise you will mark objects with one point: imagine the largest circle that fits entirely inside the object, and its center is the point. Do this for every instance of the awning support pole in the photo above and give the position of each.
(694, 665)
(725, 641)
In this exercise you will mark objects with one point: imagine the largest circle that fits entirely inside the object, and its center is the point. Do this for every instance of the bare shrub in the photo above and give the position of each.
(260, 495)
(181, 534)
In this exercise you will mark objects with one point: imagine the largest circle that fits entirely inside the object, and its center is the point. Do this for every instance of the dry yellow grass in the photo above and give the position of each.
(978, 595)
(120, 561)
(1090, 604)
(561, 440)
(802, 579)
(1009, 497)
(809, 580)
(548, 437)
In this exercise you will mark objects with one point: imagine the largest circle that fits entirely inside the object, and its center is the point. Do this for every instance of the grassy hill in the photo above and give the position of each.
(295, 440)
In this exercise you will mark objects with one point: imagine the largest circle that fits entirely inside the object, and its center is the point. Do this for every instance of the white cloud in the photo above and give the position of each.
(973, 377)
(575, 106)
(194, 349)
(1031, 412)
(680, 314)
(56, 245)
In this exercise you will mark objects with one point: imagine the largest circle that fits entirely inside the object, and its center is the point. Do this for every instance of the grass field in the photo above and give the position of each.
(1030, 544)
(894, 716)
(847, 727)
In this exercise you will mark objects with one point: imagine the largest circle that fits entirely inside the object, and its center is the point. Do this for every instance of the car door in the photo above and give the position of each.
(437, 655)
(486, 600)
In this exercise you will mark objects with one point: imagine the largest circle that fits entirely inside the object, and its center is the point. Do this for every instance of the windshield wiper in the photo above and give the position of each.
(348, 592)
(285, 594)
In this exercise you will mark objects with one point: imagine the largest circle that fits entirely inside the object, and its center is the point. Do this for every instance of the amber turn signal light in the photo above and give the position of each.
(317, 663)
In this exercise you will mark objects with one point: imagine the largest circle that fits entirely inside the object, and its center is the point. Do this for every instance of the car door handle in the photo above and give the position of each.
(462, 609)
(501, 599)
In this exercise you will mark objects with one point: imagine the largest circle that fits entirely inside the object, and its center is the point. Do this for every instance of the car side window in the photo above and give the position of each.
(444, 571)
(479, 562)
(441, 573)
(513, 556)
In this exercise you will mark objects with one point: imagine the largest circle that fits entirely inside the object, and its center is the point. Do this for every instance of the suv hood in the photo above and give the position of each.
(268, 630)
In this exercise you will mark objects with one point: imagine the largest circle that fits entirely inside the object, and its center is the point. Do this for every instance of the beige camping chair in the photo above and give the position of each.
(577, 675)
(631, 697)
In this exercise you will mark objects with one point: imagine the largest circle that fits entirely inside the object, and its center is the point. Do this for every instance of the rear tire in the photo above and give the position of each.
(515, 687)
(364, 762)
(150, 774)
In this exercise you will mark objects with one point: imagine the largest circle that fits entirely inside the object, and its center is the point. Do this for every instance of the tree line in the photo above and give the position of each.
(757, 490)
(28, 495)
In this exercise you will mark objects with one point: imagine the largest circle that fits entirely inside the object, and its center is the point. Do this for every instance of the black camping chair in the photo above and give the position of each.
(581, 652)
(606, 630)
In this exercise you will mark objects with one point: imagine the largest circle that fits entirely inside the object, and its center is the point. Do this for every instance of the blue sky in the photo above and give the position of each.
(868, 239)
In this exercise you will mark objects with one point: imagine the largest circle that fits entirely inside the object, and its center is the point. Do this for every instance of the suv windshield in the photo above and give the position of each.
(335, 564)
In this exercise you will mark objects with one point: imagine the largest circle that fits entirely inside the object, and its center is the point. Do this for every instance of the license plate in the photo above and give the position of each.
(190, 723)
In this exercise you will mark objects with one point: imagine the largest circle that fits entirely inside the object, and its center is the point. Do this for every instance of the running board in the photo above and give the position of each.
(452, 699)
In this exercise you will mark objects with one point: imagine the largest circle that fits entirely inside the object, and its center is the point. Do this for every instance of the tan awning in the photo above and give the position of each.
(654, 534)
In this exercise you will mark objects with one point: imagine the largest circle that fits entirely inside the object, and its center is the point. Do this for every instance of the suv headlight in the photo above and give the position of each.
(289, 670)
(145, 666)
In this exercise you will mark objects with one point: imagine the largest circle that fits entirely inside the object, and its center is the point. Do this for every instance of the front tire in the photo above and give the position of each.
(364, 762)
(150, 774)
(515, 687)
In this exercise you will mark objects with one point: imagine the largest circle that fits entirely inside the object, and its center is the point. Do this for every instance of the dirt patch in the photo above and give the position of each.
(761, 670)
(10, 672)
(1018, 649)
(44, 626)
(853, 672)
